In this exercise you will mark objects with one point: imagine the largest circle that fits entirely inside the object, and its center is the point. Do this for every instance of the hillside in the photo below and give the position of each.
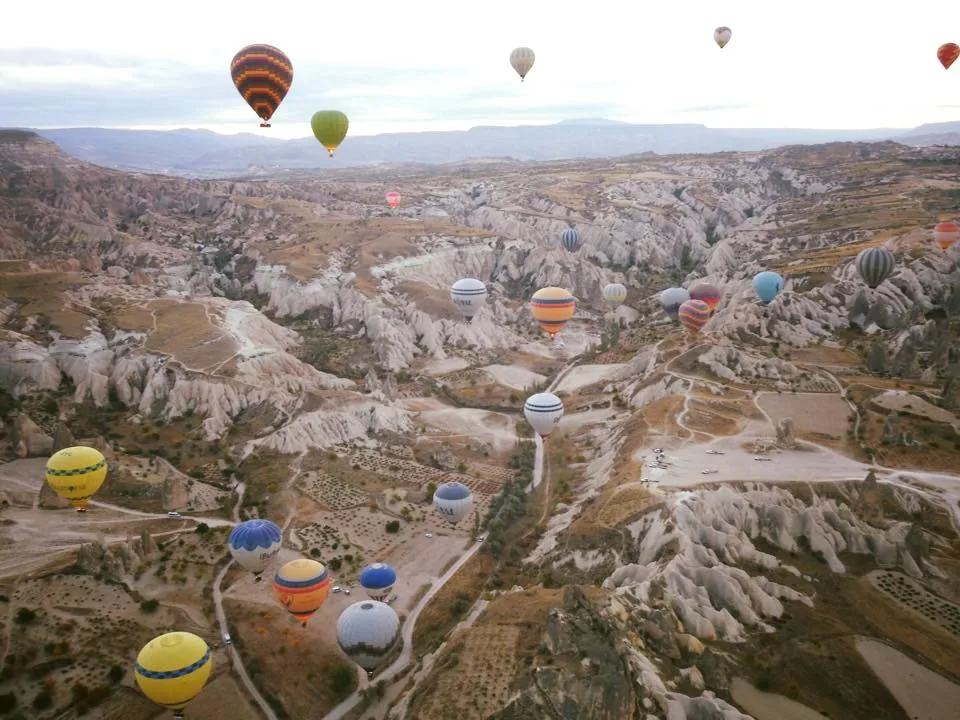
(287, 348)
(202, 153)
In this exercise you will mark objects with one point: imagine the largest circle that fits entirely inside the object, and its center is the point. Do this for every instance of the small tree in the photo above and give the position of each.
(393, 526)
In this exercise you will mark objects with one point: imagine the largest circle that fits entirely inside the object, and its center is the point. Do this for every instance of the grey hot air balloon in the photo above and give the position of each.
(671, 299)
(522, 59)
(367, 632)
(615, 294)
(570, 239)
(468, 294)
(722, 35)
(875, 265)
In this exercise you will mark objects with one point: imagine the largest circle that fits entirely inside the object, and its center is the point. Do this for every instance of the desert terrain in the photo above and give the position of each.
(286, 348)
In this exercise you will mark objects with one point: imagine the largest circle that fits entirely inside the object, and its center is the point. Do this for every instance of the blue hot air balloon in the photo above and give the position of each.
(767, 285)
(378, 580)
(254, 544)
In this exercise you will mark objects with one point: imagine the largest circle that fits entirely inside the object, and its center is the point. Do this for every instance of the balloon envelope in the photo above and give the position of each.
(875, 265)
(367, 632)
(570, 239)
(707, 292)
(543, 411)
(453, 501)
(468, 294)
(946, 234)
(330, 128)
(262, 75)
(393, 199)
(947, 54)
(76, 473)
(254, 544)
(671, 299)
(301, 586)
(694, 314)
(722, 35)
(552, 307)
(767, 285)
(378, 580)
(172, 669)
(522, 59)
(615, 293)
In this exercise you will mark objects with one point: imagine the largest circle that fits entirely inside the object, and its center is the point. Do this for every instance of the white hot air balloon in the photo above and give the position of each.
(367, 632)
(722, 35)
(453, 501)
(254, 544)
(468, 294)
(521, 59)
(615, 294)
(543, 411)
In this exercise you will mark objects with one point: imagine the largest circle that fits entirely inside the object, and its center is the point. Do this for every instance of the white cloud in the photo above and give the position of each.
(427, 64)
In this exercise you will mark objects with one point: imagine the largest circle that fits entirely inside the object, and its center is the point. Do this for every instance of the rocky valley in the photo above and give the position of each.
(286, 347)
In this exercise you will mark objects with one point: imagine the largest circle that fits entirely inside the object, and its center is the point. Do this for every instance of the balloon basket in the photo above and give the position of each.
(178, 714)
(264, 124)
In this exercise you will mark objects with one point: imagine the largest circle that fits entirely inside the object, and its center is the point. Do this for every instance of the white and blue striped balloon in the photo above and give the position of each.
(453, 501)
(254, 544)
(378, 580)
(543, 411)
(570, 239)
(469, 295)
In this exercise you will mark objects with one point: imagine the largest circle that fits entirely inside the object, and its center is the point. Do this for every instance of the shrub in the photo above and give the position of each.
(393, 526)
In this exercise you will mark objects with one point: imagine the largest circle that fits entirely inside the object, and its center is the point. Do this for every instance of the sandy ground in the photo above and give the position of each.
(481, 425)
(583, 375)
(769, 706)
(446, 365)
(900, 400)
(811, 412)
(578, 420)
(922, 693)
(513, 376)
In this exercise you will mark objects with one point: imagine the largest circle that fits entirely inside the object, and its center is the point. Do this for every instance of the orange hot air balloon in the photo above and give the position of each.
(707, 292)
(947, 54)
(262, 74)
(946, 234)
(393, 199)
(301, 586)
(552, 307)
(694, 314)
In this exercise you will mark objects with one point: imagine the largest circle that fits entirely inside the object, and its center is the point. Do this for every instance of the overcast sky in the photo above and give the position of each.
(410, 65)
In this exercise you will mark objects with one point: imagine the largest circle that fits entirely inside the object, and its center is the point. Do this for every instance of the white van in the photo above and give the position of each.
(174, 514)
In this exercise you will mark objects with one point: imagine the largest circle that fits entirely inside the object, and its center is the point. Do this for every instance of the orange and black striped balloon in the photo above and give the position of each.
(262, 75)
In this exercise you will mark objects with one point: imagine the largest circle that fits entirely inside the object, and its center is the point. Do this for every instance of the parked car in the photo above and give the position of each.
(174, 514)
(227, 640)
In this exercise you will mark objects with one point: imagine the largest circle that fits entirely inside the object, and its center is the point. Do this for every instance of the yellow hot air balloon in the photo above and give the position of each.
(552, 307)
(76, 473)
(301, 586)
(330, 128)
(172, 669)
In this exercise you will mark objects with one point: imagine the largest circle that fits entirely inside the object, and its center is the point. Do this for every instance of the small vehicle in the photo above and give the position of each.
(715, 452)
(708, 472)
(335, 589)
(174, 515)
(762, 459)
(481, 538)
(346, 591)
(657, 451)
(428, 535)
(227, 640)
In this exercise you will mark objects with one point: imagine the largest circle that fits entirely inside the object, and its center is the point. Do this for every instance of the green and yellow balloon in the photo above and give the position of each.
(330, 128)
(172, 669)
(76, 473)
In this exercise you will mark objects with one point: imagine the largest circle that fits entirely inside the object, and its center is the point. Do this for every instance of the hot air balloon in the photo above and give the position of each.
(671, 299)
(393, 199)
(767, 285)
(946, 234)
(468, 294)
(262, 74)
(522, 60)
(543, 411)
(76, 473)
(722, 35)
(378, 580)
(570, 239)
(694, 314)
(453, 501)
(552, 307)
(301, 586)
(875, 265)
(172, 669)
(254, 544)
(367, 632)
(330, 128)
(615, 294)
(947, 54)
(707, 292)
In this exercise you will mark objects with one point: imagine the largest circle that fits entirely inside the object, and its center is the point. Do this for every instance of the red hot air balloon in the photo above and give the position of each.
(707, 292)
(694, 314)
(947, 54)
(393, 199)
(946, 234)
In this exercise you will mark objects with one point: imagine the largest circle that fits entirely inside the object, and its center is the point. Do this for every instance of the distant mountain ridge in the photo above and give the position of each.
(203, 153)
